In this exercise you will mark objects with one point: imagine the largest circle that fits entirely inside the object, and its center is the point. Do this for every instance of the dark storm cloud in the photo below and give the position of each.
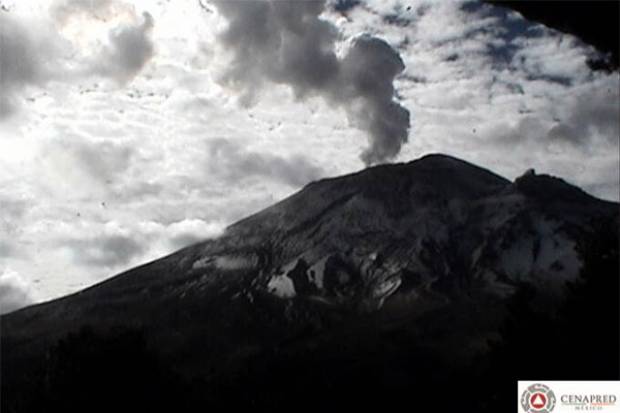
(233, 163)
(286, 42)
(107, 250)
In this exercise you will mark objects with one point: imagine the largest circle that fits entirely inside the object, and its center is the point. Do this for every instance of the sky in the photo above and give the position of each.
(130, 129)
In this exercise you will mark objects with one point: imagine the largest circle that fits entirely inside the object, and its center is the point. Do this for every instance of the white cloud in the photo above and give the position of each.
(129, 49)
(233, 163)
(27, 59)
(189, 231)
(486, 85)
(108, 250)
(73, 41)
(15, 291)
(65, 11)
(77, 166)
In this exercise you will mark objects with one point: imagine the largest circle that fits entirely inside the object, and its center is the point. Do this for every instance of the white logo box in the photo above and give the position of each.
(568, 396)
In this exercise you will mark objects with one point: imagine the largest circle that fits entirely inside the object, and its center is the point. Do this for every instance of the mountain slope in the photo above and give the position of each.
(431, 249)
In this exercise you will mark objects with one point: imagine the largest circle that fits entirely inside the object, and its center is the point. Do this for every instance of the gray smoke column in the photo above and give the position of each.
(286, 42)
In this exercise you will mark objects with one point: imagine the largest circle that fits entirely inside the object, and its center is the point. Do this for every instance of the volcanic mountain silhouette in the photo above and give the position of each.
(344, 294)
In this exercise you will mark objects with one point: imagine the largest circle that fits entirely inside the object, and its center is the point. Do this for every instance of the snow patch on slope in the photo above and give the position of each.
(226, 262)
(318, 270)
(281, 286)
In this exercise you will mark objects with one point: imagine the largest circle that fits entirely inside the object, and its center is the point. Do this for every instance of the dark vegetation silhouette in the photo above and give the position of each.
(117, 370)
(92, 372)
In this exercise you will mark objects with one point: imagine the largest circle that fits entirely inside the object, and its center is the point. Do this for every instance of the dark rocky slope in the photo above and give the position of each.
(363, 283)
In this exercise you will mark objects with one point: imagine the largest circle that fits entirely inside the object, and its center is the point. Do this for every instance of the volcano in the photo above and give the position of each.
(358, 290)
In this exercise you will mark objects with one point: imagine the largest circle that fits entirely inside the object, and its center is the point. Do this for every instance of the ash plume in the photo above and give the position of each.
(286, 42)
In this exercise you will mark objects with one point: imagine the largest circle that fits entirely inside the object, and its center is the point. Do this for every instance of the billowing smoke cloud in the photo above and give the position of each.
(287, 42)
